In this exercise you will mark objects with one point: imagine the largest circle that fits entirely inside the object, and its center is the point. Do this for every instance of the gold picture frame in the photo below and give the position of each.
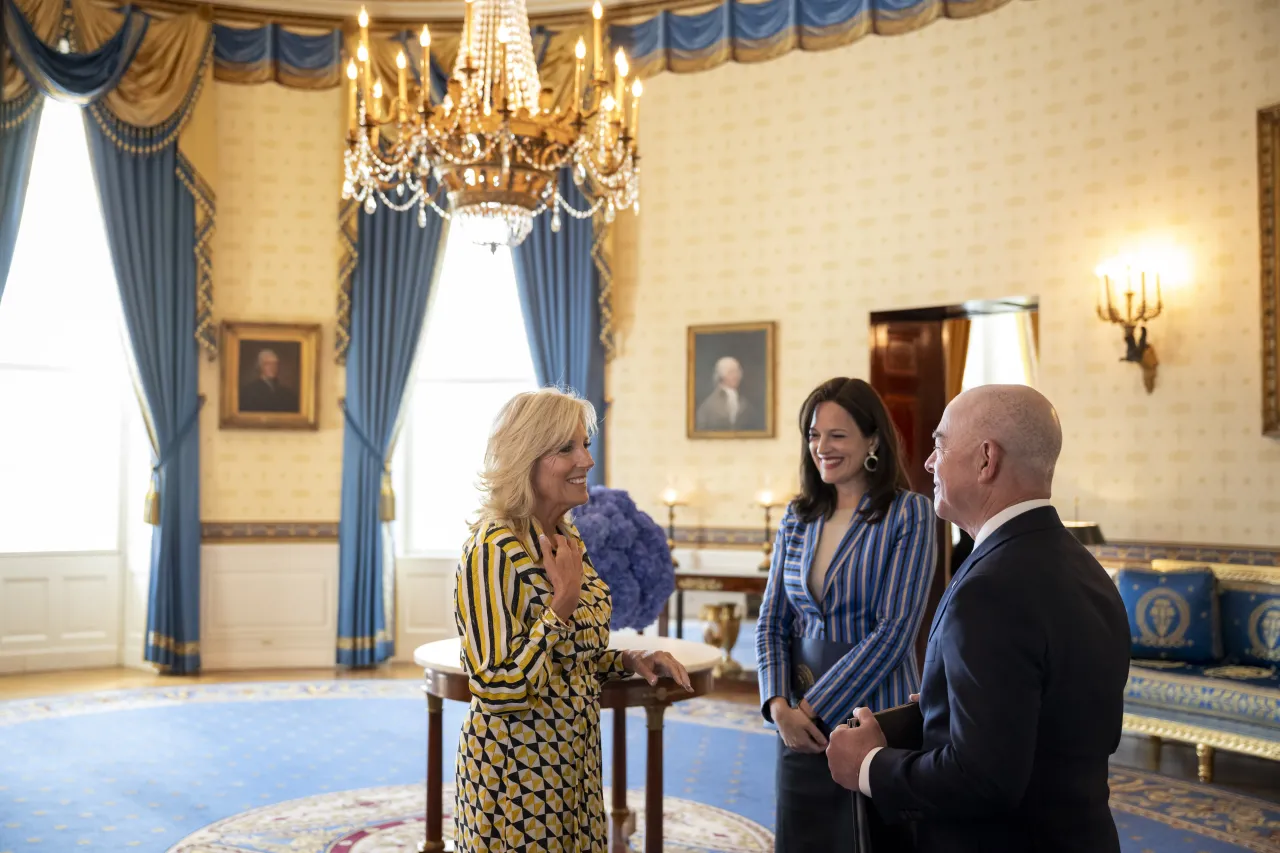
(731, 380)
(1268, 203)
(270, 377)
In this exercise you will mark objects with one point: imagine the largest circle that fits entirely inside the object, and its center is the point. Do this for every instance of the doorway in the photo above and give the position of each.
(921, 358)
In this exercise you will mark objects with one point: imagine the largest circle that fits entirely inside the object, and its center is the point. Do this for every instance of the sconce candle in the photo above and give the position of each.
(671, 498)
(1137, 349)
(766, 501)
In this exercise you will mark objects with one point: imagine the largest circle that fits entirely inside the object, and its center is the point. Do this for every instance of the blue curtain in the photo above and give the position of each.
(150, 223)
(559, 293)
(389, 290)
(19, 122)
(150, 217)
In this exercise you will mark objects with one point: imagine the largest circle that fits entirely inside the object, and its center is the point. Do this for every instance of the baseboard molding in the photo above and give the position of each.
(71, 657)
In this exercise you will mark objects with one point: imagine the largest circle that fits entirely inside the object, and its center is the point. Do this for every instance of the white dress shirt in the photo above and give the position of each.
(992, 524)
(735, 403)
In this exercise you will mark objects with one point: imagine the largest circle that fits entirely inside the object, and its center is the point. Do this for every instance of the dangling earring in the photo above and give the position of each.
(872, 462)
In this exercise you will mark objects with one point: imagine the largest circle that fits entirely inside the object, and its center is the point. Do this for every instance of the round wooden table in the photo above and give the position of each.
(444, 679)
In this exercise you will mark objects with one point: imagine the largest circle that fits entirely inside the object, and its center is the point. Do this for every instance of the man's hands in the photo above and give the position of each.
(796, 726)
(651, 665)
(849, 748)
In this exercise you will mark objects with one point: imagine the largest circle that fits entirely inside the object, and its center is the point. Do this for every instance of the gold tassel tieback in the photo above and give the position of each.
(151, 505)
(387, 499)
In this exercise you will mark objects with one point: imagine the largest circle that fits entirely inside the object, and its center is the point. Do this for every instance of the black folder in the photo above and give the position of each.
(903, 728)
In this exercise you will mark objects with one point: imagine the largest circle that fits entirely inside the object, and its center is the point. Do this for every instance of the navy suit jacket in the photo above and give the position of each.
(1022, 698)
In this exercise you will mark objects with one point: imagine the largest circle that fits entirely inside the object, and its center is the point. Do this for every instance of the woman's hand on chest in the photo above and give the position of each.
(562, 562)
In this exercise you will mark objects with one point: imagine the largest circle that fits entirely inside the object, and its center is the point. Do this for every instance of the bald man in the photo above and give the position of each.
(1028, 656)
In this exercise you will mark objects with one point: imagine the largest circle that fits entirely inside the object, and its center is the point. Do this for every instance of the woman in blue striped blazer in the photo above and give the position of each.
(852, 563)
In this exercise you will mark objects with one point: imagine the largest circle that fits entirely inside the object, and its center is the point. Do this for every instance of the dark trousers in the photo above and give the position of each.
(815, 814)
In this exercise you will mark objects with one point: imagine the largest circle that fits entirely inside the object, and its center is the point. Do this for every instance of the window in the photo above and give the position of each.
(474, 356)
(1001, 350)
(71, 418)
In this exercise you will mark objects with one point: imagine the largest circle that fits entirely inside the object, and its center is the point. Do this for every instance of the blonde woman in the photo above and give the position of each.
(534, 619)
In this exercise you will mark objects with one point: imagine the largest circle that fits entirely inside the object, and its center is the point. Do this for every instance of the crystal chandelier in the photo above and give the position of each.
(495, 144)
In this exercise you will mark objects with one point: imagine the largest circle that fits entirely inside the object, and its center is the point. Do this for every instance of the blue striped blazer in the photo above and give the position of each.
(874, 597)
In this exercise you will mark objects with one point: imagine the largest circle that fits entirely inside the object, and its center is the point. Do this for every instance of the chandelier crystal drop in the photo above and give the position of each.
(489, 155)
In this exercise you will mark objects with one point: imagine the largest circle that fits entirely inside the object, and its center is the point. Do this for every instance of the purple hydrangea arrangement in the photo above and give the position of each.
(629, 551)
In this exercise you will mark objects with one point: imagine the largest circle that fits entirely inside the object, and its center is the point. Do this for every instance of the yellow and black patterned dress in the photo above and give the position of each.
(528, 774)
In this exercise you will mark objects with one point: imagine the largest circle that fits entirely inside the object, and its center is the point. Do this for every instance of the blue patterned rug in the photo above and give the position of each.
(337, 767)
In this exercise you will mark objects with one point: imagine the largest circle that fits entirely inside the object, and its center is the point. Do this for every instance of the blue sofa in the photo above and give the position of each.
(1232, 702)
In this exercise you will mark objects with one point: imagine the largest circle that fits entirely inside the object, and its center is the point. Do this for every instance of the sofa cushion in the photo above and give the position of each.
(1251, 622)
(1173, 615)
(1233, 698)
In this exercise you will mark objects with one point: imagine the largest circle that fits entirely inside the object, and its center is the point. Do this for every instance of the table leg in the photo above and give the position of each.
(679, 614)
(434, 841)
(619, 815)
(653, 781)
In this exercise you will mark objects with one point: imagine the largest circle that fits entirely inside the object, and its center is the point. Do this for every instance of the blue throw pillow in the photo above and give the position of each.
(1251, 622)
(1172, 615)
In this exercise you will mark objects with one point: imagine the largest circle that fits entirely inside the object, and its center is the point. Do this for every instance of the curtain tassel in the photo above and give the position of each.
(387, 499)
(151, 505)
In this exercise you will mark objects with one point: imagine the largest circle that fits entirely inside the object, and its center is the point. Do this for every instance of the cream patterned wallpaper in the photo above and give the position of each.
(276, 260)
(1001, 156)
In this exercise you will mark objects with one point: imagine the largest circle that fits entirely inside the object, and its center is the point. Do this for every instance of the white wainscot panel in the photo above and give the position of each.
(424, 603)
(268, 605)
(59, 611)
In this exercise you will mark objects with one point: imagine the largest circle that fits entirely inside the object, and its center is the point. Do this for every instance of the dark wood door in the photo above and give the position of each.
(908, 370)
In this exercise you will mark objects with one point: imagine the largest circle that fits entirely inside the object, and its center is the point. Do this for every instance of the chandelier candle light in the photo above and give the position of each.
(494, 146)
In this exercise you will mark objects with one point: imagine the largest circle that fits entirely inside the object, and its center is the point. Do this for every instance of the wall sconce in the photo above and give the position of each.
(1137, 349)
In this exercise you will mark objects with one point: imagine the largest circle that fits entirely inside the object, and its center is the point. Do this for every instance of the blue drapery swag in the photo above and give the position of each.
(559, 287)
(80, 78)
(392, 278)
(148, 195)
(271, 53)
(758, 31)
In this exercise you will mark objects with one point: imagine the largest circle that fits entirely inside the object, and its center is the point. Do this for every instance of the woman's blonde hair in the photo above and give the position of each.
(530, 425)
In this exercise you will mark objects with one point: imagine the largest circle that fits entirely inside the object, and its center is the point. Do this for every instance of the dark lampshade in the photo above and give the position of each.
(1086, 532)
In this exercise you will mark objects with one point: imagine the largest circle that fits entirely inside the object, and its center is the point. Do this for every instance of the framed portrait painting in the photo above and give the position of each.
(269, 376)
(731, 381)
